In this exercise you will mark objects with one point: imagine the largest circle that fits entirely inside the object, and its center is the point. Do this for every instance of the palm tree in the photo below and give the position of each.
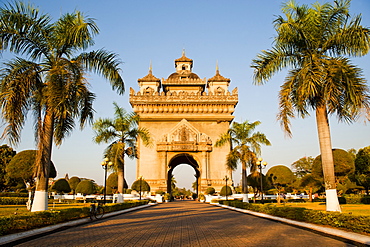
(50, 81)
(313, 42)
(122, 132)
(245, 145)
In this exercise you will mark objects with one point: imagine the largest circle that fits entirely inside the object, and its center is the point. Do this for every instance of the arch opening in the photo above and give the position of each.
(181, 159)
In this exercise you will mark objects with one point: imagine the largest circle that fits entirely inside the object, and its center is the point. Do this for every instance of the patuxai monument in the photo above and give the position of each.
(185, 115)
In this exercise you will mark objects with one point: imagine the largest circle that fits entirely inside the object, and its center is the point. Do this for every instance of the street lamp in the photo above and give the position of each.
(140, 182)
(226, 178)
(261, 165)
(105, 165)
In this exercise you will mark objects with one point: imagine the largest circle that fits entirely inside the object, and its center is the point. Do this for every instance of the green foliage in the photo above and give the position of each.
(303, 166)
(280, 175)
(356, 199)
(360, 224)
(122, 133)
(343, 164)
(21, 168)
(160, 192)
(167, 196)
(13, 194)
(201, 196)
(13, 200)
(362, 165)
(85, 187)
(61, 186)
(112, 183)
(210, 191)
(362, 161)
(245, 145)
(6, 154)
(226, 191)
(18, 223)
(254, 181)
(140, 185)
(73, 182)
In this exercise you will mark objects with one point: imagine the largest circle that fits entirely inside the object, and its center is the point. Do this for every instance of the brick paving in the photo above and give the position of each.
(184, 223)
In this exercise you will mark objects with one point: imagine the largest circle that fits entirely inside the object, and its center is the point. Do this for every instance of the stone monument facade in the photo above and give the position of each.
(185, 115)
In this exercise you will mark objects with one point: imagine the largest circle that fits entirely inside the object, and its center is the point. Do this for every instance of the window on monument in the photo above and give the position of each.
(183, 67)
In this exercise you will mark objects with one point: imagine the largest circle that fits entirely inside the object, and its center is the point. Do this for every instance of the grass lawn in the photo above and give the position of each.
(355, 209)
(22, 209)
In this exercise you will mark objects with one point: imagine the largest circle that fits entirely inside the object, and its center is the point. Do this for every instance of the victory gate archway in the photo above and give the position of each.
(185, 116)
(180, 159)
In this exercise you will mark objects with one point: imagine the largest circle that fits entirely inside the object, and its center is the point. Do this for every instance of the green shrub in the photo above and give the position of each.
(296, 200)
(61, 186)
(13, 194)
(160, 192)
(349, 222)
(226, 191)
(6, 223)
(140, 185)
(357, 199)
(13, 200)
(210, 191)
(85, 187)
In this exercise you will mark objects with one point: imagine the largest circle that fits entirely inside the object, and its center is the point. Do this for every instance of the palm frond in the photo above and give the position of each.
(105, 64)
(19, 80)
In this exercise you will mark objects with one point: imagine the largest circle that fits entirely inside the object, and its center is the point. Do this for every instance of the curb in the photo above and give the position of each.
(356, 238)
(31, 233)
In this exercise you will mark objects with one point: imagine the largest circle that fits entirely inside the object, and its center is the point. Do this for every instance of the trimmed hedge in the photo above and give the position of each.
(357, 199)
(13, 200)
(13, 194)
(19, 223)
(360, 224)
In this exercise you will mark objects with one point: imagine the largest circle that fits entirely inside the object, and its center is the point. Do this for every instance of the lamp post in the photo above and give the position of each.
(226, 178)
(105, 165)
(261, 165)
(140, 181)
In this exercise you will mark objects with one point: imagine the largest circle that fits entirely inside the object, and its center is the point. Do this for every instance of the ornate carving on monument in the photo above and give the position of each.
(184, 137)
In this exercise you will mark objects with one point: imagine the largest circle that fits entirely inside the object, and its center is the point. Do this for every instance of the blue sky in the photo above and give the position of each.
(230, 32)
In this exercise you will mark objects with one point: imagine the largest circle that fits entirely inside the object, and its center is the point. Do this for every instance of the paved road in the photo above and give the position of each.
(184, 223)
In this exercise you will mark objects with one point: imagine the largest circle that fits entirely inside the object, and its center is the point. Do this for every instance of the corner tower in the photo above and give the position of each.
(185, 115)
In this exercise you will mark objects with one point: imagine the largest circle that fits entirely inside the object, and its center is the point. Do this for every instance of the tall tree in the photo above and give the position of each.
(303, 166)
(6, 155)
(123, 133)
(344, 168)
(50, 81)
(362, 171)
(21, 168)
(245, 145)
(313, 42)
(280, 177)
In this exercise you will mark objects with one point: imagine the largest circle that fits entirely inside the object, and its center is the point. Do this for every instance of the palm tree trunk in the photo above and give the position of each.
(43, 159)
(121, 178)
(244, 178)
(332, 203)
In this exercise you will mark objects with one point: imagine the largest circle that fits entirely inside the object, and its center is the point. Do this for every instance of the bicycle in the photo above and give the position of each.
(96, 211)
